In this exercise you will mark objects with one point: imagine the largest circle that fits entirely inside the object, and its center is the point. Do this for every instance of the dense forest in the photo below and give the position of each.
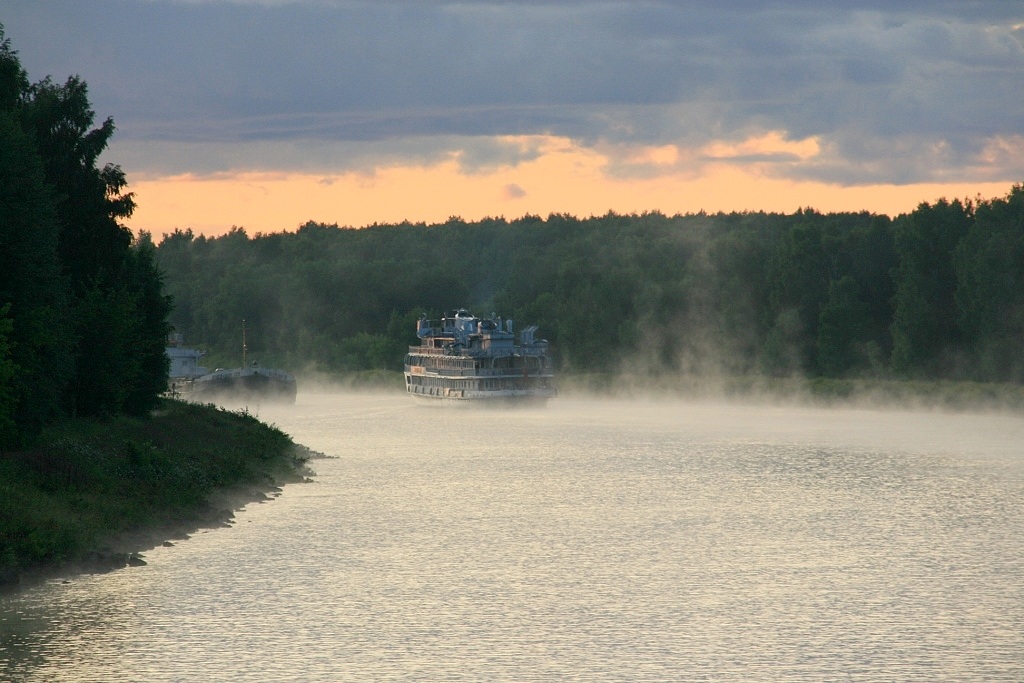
(83, 316)
(934, 294)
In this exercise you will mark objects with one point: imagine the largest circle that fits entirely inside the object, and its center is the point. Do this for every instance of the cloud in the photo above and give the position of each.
(309, 154)
(513, 191)
(919, 91)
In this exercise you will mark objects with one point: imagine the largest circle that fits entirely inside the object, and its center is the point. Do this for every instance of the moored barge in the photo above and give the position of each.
(248, 383)
(244, 384)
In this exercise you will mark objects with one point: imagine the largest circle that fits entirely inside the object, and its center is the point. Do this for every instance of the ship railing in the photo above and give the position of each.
(489, 372)
(504, 351)
(426, 350)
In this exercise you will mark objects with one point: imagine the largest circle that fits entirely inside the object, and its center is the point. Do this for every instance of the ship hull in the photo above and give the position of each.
(246, 385)
(440, 395)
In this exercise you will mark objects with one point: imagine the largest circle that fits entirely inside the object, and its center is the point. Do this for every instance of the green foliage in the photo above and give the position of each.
(88, 481)
(87, 312)
(841, 326)
(925, 330)
(8, 370)
(143, 282)
(89, 200)
(798, 281)
(989, 263)
(30, 280)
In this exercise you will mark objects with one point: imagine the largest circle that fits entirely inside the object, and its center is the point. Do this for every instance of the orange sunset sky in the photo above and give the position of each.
(566, 179)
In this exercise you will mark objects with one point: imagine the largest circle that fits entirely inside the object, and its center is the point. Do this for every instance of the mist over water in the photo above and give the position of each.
(589, 540)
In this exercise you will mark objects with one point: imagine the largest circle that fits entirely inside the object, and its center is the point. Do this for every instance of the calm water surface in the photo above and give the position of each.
(590, 541)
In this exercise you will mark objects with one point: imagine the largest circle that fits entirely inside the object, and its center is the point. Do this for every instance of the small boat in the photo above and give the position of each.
(477, 360)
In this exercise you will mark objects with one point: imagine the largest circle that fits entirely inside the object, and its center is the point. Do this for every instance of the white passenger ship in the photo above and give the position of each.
(472, 359)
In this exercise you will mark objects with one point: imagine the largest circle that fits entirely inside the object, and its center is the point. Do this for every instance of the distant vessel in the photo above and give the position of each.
(248, 383)
(251, 383)
(470, 359)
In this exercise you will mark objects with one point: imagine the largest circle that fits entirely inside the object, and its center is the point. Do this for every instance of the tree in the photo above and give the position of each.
(86, 310)
(842, 325)
(152, 307)
(990, 288)
(90, 201)
(869, 255)
(798, 277)
(8, 370)
(925, 332)
(737, 267)
(31, 286)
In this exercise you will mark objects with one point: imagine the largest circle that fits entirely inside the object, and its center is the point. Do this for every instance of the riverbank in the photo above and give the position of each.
(93, 494)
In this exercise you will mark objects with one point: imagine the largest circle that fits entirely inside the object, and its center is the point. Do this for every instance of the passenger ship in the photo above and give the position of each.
(470, 359)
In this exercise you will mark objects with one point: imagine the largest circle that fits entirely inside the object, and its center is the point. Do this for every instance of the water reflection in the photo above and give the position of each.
(588, 541)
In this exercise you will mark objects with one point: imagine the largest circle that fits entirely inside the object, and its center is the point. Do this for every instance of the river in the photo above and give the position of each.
(592, 540)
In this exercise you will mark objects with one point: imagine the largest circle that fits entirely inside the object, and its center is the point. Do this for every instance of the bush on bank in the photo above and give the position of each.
(89, 482)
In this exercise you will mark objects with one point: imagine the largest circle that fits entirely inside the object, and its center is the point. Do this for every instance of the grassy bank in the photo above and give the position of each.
(92, 492)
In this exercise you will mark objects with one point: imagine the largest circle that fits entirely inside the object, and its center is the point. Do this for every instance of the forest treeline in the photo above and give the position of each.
(83, 317)
(934, 294)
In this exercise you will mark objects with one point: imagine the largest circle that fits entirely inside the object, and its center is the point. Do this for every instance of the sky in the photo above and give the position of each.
(266, 114)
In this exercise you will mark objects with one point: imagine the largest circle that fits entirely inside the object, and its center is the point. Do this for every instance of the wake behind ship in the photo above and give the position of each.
(470, 359)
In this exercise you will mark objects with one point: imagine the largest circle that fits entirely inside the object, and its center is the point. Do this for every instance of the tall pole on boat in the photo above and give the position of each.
(245, 349)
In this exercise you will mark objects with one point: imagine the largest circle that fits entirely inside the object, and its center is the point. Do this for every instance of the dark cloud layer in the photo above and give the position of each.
(913, 93)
